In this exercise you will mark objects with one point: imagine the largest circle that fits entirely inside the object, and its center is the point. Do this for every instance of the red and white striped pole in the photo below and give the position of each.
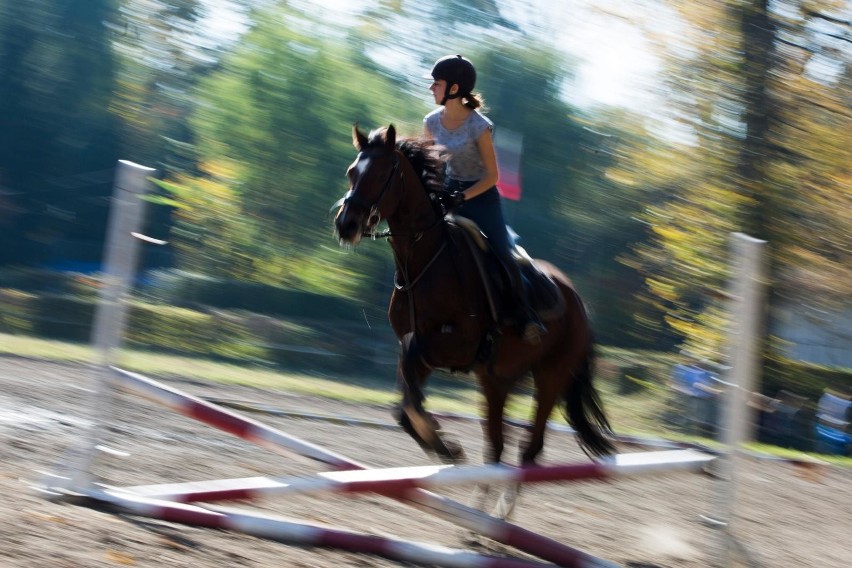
(451, 511)
(225, 420)
(287, 531)
(396, 481)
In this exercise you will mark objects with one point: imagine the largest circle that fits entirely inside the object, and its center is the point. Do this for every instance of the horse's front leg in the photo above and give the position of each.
(412, 372)
(410, 378)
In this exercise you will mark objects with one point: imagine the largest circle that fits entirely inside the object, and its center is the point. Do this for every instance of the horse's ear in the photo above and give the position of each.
(358, 138)
(390, 137)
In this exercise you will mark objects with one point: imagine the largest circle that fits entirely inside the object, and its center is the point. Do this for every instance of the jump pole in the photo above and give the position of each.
(396, 481)
(305, 534)
(446, 509)
(243, 427)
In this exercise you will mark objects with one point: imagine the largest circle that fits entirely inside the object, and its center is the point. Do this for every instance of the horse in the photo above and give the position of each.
(444, 316)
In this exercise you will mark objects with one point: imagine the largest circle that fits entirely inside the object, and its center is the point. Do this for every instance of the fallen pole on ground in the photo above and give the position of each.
(306, 534)
(452, 511)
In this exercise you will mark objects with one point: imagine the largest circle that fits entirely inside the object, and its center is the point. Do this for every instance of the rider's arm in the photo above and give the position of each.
(489, 160)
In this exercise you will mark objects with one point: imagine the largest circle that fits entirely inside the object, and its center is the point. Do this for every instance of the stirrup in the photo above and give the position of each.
(532, 331)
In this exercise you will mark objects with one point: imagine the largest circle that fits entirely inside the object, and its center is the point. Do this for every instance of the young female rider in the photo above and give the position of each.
(471, 174)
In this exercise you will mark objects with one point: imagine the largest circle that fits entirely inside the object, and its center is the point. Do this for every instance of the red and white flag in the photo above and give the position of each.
(508, 146)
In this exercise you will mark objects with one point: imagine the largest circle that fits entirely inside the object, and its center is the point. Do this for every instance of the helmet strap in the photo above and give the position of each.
(447, 94)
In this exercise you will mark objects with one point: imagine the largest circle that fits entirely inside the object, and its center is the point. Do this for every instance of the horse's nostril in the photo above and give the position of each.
(347, 229)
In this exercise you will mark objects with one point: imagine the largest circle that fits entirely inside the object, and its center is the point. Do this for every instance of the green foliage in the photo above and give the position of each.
(16, 312)
(178, 330)
(633, 379)
(211, 232)
(161, 59)
(33, 279)
(59, 316)
(304, 330)
(769, 155)
(186, 289)
(275, 120)
(57, 135)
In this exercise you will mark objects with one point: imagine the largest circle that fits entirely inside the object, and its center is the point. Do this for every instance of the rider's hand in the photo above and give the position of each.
(451, 201)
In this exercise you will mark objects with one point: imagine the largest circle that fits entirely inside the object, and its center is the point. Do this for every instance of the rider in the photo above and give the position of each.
(471, 174)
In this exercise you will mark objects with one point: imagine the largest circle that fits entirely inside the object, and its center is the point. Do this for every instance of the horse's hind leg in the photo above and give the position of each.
(549, 384)
(496, 392)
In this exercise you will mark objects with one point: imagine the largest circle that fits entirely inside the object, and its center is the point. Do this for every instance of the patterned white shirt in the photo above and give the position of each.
(464, 162)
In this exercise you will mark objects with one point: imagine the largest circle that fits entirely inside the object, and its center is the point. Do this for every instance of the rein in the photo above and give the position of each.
(374, 218)
(409, 285)
(387, 233)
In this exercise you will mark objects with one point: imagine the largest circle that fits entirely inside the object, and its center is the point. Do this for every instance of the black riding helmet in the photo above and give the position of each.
(455, 70)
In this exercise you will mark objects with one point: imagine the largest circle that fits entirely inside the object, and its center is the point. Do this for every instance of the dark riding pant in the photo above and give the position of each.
(486, 210)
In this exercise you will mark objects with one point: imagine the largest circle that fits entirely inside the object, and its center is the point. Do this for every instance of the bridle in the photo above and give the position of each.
(375, 216)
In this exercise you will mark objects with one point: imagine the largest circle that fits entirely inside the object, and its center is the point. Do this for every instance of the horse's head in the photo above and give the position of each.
(372, 177)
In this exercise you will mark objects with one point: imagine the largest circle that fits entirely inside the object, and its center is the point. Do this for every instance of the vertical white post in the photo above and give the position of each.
(118, 272)
(744, 349)
(122, 252)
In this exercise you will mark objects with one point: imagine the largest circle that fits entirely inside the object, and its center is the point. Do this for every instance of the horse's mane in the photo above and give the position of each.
(424, 155)
(425, 158)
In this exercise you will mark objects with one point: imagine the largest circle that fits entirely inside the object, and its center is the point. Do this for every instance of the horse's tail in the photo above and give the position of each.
(585, 412)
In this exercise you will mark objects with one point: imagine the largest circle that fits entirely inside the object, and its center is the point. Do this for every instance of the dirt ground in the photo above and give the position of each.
(783, 518)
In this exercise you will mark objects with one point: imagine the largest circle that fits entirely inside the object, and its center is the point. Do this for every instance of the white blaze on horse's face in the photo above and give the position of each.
(360, 164)
(350, 221)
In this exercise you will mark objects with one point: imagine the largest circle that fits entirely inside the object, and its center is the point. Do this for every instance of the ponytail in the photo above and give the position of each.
(473, 100)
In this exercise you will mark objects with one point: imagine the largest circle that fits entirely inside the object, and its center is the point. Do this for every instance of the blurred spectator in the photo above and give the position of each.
(832, 427)
(781, 421)
(697, 393)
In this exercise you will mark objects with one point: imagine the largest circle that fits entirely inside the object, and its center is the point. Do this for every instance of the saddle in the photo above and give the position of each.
(544, 295)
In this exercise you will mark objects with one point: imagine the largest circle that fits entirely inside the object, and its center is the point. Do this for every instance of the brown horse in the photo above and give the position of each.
(443, 314)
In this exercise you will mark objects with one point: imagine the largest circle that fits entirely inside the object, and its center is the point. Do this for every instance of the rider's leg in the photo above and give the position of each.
(529, 326)
(487, 212)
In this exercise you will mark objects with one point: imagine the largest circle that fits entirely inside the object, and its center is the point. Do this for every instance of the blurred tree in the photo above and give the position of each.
(762, 128)
(163, 55)
(570, 212)
(57, 136)
(280, 108)
(809, 162)
(211, 233)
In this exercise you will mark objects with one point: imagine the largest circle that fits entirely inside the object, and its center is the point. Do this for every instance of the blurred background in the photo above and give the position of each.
(639, 135)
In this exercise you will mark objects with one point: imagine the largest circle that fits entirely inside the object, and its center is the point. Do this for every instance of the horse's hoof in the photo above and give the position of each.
(506, 503)
(450, 451)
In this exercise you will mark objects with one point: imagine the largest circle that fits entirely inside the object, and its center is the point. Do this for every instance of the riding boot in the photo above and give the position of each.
(529, 326)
